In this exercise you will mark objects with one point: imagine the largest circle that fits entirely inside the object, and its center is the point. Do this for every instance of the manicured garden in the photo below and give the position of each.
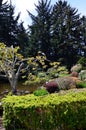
(49, 59)
(59, 101)
(65, 111)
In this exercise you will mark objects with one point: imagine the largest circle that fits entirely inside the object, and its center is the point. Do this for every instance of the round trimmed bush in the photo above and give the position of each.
(74, 74)
(51, 86)
(40, 92)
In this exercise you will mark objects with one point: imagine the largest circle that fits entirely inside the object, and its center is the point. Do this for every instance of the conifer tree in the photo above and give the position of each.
(11, 31)
(66, 32)
(8, 24)
(40, 35)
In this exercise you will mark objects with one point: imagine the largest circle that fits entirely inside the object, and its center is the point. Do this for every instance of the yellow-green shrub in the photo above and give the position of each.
(50, 112)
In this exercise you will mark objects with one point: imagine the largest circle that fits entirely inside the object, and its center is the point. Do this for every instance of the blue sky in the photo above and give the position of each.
(23, 5)
(79, 4)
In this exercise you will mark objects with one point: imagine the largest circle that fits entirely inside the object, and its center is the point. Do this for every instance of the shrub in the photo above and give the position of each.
(74, 74)
(51, 86)
(55, 72)
(51, 112)
(38, 80)
(81, 84)
(82, 75)
(52, 73)
(65, 83)
(61, 83)
(76, 68)
(40, 92)
(82, 61)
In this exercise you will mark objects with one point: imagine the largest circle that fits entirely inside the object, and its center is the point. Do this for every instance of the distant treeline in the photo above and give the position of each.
(57, 30)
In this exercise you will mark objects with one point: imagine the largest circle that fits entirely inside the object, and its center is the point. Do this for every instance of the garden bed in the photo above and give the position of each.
(64, 110)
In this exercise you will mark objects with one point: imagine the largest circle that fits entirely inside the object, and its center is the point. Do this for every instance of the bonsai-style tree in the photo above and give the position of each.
(11, 64)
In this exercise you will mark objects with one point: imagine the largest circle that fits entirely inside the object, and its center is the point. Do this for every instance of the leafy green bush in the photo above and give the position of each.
(55, 72)
(81, 84)
(42, 70)
(40, 92)
(51, 112)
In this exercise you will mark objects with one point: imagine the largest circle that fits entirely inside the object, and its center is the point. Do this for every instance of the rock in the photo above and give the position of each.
(27, 92)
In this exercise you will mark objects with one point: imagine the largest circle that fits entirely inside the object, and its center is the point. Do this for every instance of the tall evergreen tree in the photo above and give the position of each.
(23, 40)
(40, 36)
(66, 32)
(8, 24)
(11, 31)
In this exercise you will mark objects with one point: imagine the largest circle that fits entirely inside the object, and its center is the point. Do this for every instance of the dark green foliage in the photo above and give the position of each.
(82, 61)
(40, 92)
(81, 84)
(40, 28)
(50, 112)
(8, 24)
(11, 31)
(23, 40)
(66, 32)
(58, 31)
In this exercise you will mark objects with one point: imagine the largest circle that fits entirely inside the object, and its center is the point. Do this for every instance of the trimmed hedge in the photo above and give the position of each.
(50, 112)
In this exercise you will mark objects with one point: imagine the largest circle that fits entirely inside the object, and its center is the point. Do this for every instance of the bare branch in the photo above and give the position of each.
(17, 73)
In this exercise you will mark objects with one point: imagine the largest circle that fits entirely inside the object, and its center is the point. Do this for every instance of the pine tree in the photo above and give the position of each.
(8, 24)
(23, 40)
(40, 33)
(66, 32)
(11, 31)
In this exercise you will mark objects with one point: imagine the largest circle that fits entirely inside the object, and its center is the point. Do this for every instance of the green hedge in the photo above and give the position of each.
(50, 112)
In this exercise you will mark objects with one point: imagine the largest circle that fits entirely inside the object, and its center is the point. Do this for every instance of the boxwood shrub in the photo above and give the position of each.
(40, 92)
(48, 112)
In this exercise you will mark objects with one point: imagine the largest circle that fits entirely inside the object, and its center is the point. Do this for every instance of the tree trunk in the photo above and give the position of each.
(14, 85)
(14, 91)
